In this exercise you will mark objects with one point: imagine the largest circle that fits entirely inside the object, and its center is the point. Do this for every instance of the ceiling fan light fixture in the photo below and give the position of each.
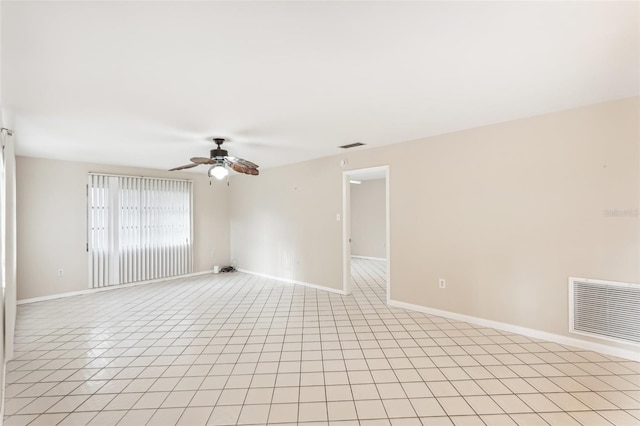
(219, 172)
(219, 158)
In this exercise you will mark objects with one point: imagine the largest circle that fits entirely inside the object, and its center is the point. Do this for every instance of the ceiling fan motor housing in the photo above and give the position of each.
(218, 153)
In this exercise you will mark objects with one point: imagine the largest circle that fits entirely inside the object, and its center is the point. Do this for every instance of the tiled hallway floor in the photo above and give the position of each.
(239, 349)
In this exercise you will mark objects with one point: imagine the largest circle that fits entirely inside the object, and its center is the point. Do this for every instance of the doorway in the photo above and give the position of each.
(370, 253)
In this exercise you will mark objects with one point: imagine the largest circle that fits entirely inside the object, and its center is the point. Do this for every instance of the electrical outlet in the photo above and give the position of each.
(60, 272)
(442, 283)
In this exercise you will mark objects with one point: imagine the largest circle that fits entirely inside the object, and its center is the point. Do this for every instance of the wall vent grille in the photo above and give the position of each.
(605, 309)
(351, 145)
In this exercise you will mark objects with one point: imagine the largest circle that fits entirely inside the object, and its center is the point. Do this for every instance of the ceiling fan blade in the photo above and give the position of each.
(248, 163)
(242, 169)
(243, 162)
(203, 160)
(187, 166)
(237, 167)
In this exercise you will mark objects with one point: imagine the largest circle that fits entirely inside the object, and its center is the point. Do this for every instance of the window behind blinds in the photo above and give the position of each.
(138, 229)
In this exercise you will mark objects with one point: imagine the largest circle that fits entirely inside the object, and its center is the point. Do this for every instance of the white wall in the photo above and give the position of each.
(52, 223)
(505, 213)
(368, 219)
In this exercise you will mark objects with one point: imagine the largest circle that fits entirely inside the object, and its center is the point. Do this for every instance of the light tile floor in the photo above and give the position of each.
(239, 349)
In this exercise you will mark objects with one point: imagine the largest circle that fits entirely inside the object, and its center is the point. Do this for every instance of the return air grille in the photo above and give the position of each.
(605, 309)
(351, 145)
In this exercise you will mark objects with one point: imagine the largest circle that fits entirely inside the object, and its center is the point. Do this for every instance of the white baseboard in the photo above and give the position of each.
(291, 281)
(368, 257)
(112, 287)
(632, 355)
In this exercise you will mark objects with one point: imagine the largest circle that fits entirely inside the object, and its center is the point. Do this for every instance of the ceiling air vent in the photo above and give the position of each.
(351, 145)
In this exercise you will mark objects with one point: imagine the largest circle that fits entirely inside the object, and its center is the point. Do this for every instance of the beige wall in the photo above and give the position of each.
(284, 222)
(52, 223)
(368, 219)
(3, 301)
(505, 213)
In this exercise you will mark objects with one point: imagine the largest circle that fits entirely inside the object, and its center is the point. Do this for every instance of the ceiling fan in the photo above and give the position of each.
(218, 159)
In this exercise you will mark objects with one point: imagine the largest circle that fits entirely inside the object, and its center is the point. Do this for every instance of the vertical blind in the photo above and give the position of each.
(138, 229)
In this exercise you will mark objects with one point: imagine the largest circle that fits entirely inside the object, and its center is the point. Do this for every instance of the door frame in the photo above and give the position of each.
(346, 224)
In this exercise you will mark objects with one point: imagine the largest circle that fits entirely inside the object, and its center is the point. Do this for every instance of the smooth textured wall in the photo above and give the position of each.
(284, 223)
(52, 222)
(505, 213)
(368, 219)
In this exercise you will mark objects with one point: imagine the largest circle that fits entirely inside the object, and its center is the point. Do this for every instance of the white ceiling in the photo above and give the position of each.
(146, 83)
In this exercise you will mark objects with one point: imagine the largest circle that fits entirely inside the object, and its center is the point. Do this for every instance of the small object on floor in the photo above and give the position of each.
(228, 269)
